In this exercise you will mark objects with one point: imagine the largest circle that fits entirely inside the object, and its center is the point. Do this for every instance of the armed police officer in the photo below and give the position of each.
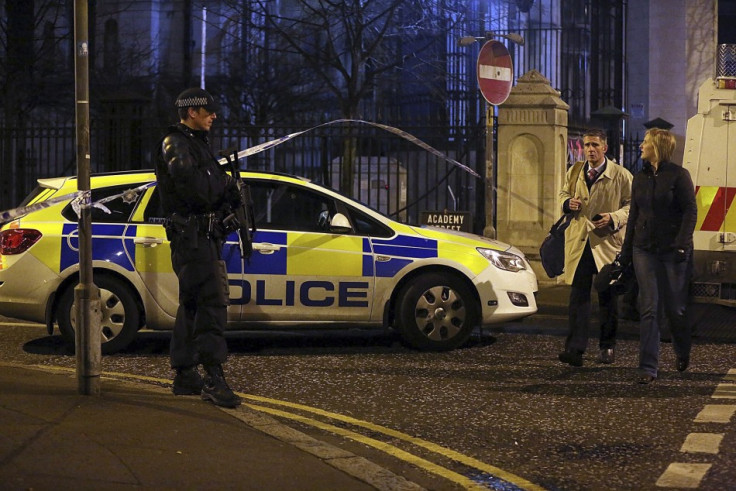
(196, 195)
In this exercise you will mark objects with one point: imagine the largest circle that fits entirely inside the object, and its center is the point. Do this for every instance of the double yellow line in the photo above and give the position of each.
(389, 449)
(396, 452)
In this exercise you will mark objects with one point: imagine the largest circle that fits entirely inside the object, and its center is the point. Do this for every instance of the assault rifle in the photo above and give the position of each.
(242, 218)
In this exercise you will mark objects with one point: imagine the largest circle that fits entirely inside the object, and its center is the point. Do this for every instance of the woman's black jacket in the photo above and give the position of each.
(663, 212)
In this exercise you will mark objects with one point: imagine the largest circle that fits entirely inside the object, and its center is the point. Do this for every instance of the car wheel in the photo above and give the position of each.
(436, 312)
(120, 314)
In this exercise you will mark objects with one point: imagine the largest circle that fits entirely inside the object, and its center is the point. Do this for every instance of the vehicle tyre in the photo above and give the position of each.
(120, 314)
(437, 312)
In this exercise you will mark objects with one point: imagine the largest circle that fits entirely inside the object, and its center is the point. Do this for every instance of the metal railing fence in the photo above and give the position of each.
(392, 174)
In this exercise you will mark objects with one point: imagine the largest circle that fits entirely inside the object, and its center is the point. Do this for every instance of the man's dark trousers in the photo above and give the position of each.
(198, 336)
(580, 308)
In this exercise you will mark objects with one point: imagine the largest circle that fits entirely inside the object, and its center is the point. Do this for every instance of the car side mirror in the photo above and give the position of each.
(340, 224)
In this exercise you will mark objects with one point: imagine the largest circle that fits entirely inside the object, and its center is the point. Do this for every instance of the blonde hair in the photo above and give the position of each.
(663, 143)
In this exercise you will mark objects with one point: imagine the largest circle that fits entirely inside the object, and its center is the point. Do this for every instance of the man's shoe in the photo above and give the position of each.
(607, 356)
(187, 382)
(645, 379)
(682, 363)
(574, 359)
(216, 389)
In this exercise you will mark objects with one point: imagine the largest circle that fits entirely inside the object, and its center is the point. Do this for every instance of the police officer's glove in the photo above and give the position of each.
(232, 194)
(220, 232)
(230, 223)
(680, 255)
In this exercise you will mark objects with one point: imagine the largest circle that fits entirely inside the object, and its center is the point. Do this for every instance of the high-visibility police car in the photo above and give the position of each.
(319, 259)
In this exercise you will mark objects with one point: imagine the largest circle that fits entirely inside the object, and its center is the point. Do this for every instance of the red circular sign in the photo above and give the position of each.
(495, 72)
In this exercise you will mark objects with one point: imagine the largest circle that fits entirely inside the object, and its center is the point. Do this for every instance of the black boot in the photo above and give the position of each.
(216, 389)
(187, 382)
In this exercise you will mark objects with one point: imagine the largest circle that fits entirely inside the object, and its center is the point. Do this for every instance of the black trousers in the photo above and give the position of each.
(579, 308)
(198, 336)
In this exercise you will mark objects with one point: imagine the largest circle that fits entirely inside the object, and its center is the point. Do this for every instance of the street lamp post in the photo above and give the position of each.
(495, 74)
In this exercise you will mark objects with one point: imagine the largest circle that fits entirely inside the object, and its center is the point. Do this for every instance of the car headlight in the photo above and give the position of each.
(503, 260)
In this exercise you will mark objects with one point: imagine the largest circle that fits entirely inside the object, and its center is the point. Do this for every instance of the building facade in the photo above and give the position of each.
(616, 63)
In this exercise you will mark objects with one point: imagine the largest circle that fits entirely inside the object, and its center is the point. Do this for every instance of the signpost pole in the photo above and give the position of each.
(494, 70)
(86, 295)
(495, 77)
(490, 229)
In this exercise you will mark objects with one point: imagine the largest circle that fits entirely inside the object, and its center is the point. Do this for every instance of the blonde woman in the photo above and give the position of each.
(659, 241)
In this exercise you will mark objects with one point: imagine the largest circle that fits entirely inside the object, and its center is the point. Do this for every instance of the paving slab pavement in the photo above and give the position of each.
(133, 435)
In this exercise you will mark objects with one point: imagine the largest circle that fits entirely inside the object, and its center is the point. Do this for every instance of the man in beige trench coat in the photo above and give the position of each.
(600, 206)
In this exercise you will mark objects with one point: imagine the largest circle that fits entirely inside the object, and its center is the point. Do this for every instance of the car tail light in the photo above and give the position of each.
(18, 240)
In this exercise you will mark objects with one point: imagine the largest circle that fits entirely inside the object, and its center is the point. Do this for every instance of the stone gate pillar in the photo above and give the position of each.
(532, 160)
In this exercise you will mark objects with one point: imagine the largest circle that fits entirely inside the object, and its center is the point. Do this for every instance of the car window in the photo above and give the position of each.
(365, 225)
(282, 206)
(108, 205)
(154, 212)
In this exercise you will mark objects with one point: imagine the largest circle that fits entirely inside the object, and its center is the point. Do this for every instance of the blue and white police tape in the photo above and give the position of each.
(128, 196)
(10, 215)
(81, 198)
(403, 134)
(131, 195)
(78, 199)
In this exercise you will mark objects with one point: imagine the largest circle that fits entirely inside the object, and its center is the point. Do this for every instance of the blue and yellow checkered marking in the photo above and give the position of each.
(274, 263)
(390, 268)
(406, 246)
(106, 245)
(301, 255)
(368, 269)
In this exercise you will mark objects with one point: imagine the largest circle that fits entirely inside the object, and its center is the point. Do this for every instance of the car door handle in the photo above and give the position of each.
(265, 248)
(148, 241)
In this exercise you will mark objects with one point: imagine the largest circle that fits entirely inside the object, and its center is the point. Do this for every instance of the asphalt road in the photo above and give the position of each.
(500, 411)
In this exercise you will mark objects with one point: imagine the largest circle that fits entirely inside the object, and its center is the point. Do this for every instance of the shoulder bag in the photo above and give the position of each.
(552, 250)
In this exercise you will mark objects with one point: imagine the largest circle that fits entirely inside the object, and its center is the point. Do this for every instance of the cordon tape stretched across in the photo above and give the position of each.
(81, 199)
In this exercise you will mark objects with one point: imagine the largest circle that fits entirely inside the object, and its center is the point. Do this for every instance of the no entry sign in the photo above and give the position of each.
(495, 73)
